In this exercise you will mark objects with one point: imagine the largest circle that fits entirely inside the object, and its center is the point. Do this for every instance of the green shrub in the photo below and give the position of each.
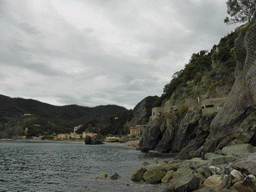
(182, 110)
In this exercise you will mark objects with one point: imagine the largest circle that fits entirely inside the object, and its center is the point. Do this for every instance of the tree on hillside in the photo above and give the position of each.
(240, 11)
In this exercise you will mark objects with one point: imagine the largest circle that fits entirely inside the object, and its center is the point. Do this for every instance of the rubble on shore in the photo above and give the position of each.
(231, 169)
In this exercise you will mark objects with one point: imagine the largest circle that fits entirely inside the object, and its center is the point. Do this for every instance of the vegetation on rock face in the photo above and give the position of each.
(205, 71)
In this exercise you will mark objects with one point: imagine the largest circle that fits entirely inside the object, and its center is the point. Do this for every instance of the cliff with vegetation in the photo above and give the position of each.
(211, 102)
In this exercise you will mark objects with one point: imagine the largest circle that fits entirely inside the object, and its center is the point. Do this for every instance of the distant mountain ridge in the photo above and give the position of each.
(67, 112)
(12, 111)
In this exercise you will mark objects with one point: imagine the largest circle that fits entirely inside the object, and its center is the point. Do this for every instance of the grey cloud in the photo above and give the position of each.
(135, 77)
(28, 29)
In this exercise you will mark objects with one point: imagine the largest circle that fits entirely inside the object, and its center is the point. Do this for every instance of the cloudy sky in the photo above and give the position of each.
(98, 52)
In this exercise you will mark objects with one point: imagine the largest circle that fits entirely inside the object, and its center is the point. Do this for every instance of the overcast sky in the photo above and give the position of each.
(99, 52)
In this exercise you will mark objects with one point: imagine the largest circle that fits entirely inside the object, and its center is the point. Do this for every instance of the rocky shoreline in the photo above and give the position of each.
(231, 169)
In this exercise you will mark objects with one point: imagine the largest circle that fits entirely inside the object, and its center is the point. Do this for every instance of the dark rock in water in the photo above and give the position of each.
(92, 141)
(184, 183)
(115, 176)
(144, 150)
(101, 176)
(137, 174)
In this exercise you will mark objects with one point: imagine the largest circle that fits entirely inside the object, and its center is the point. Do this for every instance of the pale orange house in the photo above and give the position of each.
(138, 129)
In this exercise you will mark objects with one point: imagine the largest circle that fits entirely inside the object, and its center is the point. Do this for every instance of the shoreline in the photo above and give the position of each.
(129, 143)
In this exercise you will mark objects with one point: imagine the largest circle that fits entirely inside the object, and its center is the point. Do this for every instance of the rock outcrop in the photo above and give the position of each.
(196, 133)
(92, 141)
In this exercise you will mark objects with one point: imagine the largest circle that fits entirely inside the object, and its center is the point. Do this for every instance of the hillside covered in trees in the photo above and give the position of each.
(16, 113)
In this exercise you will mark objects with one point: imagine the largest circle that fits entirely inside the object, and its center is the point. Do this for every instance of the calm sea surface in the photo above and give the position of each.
(27, 166)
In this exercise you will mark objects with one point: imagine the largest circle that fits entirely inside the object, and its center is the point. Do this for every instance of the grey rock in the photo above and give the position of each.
(218, 182)
(153, 175)
(183, 183)
(248, 163)
(101, 176)
(137, 174)
(221, 160)
(238, 149)
(145, 163)
(167, 177)
(115, 176)
(155, 160)
(92, 141)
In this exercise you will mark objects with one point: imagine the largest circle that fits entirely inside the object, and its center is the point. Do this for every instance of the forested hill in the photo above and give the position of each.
(18, 106)
(12, 111)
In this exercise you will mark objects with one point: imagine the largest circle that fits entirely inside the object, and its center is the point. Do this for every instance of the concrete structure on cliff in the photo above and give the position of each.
(213, 105)
(208, 106)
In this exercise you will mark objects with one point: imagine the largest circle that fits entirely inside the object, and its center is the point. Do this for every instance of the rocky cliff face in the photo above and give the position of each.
(197, 133)
(141, 112)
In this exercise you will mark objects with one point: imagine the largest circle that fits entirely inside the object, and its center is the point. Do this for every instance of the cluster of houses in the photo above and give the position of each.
(74, 135)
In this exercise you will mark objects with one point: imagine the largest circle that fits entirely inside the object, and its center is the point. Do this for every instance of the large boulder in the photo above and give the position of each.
(238, 149)
(153, 175)
(182, 172)
(137, 174)
(218, 182)
(248, 163)
(170, 166)
(183, 183)
(91, 140)
(167, 177)
(222, 160)
(247, 185)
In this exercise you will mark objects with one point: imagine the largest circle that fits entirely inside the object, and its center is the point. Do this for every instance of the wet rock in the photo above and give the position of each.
(153, 175)
(167, 177)
(155, 160)
(137, 174)
(183, 183)
(102, 176)
(145, 163)
(115, 176)
(238, 149)
(92, 141)
(218, 181)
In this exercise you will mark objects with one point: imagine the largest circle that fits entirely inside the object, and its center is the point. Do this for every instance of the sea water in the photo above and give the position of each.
(46, 166)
